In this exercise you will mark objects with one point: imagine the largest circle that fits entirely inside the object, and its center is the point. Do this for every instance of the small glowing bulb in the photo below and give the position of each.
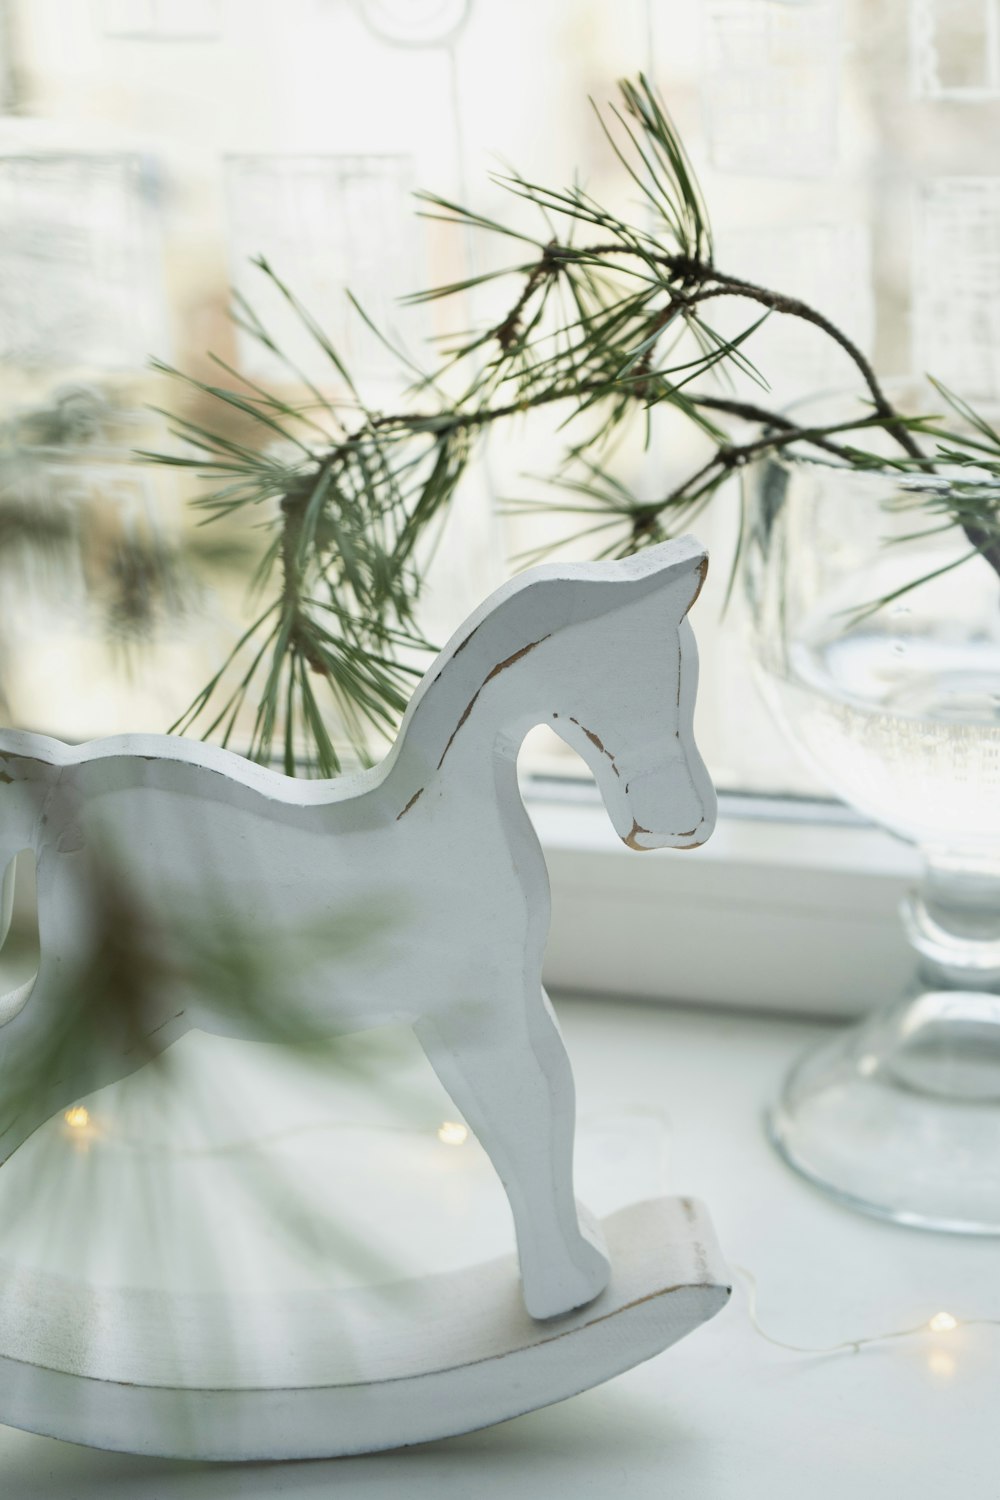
(453, 1133)
(942, 1322)
(77, 1118)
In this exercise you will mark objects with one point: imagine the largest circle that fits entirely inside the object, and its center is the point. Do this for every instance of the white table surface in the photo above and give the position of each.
(723, 1414)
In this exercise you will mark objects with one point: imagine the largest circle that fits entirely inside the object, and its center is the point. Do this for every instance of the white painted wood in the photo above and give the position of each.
(308, 1376)
(429, 858)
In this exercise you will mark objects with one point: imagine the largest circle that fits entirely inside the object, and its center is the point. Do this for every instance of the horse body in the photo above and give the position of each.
(415, 892)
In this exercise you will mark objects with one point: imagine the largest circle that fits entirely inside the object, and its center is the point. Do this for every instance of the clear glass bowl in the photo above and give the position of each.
(892, 694)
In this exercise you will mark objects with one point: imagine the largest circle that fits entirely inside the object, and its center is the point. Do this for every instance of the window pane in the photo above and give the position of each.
(151, 149)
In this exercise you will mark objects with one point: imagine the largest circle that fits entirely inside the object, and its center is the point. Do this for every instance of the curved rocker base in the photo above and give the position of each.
(313, 1377)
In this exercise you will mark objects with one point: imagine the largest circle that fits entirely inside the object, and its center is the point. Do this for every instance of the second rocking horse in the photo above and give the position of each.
(436, 844)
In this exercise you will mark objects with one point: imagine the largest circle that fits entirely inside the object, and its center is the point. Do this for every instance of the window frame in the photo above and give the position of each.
(792, 906)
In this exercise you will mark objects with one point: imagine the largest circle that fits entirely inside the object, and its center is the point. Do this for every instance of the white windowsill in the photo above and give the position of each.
(723, 1415)
(790, 906)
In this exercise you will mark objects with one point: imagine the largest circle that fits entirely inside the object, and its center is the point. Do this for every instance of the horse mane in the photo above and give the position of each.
(655, 567)
(501, 616)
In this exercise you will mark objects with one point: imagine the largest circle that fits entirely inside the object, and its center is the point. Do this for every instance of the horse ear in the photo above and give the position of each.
(682, 567)
(679, 565)
(699, 572)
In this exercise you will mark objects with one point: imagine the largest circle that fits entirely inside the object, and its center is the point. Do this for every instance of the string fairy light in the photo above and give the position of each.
(453, 1133)
(448, 1132)
(941, 1323)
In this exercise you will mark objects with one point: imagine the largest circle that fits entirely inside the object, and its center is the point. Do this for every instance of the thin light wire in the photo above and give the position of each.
(852, 1346)
(250, 1144)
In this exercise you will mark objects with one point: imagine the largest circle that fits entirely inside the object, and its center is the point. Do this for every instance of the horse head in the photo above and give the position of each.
(626, 680)
(604, 654)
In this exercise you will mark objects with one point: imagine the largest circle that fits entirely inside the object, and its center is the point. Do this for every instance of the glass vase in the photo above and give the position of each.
(877, 646)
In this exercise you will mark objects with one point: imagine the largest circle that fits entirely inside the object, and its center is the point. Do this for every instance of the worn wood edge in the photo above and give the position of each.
(568, 1355)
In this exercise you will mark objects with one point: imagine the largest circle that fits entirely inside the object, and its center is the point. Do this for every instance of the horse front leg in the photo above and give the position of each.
(506, 1068)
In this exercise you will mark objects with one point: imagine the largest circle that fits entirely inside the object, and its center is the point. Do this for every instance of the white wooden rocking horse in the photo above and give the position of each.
(436, 842)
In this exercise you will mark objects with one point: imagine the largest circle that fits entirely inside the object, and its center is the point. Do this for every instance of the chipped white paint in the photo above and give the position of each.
(434, 854)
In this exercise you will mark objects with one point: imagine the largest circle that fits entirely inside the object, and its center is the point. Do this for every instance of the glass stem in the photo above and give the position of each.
(953, 920)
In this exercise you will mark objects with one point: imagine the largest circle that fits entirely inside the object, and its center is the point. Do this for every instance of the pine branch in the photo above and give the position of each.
(612, 330)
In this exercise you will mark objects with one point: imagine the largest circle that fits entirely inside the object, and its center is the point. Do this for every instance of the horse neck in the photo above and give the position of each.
(485, 690)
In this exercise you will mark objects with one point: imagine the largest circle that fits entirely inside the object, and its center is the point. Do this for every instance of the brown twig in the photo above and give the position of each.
(715, 283)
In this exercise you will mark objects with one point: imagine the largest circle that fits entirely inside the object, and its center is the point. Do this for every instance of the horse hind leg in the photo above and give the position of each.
(506, 1069)
(66, 1032)
(7, 899)
(52, 1060)
(13, 1000)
